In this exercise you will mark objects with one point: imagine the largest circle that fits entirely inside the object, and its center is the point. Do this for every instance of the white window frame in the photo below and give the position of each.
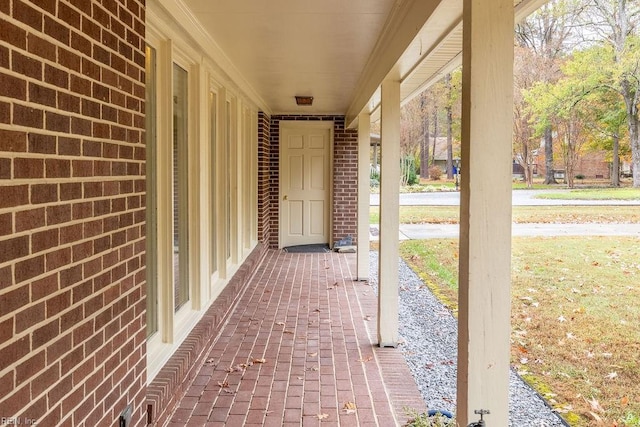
(205, 285)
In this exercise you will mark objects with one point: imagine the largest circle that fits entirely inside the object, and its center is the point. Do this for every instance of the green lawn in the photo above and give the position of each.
(595, 194)
(575, 303)
(575, 317)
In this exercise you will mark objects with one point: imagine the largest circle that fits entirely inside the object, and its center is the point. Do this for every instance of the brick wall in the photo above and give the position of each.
(72, 198)
(345, 182)
(591, 165)
(594, 165)
(345, 176)
(264, 203)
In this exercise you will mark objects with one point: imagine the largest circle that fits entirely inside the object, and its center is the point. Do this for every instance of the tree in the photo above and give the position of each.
(424, 140)
(614, 26)
(410, 132)
(591, 69)
(549, 33)
(453, 96)
(439, 102)
(562, 106)
(525, 143)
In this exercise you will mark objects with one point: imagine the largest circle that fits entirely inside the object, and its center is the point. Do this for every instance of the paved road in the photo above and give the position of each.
(440, 231)
(519, 198)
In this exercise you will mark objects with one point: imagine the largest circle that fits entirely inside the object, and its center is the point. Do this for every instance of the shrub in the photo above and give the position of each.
(435, 173)
(428, 420)
(412, 177)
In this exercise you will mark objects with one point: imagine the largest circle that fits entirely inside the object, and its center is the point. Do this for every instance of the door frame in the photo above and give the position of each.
(297, 124)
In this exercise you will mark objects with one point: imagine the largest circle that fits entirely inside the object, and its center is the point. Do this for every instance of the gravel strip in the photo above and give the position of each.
(428, 333)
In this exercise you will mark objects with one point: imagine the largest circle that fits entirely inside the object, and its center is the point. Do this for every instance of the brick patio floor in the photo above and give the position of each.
(299, 349)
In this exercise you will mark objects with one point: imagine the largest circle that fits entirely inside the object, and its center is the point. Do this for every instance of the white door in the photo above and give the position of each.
(305, 166)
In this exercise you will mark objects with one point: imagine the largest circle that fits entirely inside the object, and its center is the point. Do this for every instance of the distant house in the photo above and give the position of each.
(591, 165)
(439, 155)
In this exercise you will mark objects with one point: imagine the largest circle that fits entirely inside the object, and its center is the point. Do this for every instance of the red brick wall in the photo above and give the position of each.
(591, 165)
(345, 182)
(345, 176)
(72, 199)
(594, 165)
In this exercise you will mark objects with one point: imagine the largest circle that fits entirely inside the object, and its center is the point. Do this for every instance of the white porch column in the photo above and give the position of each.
(389, 214)
(485, 223)
(364, 146)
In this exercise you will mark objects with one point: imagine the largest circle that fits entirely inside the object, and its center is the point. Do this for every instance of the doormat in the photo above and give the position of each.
(317, 248)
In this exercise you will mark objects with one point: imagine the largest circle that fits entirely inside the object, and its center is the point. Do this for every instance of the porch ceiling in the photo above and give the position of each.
(334, 50)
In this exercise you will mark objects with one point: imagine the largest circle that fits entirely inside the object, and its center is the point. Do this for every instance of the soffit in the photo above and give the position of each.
(285, 48)
(337, 51)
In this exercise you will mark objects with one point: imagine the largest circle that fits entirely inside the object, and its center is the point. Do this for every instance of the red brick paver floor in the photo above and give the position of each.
(300, 349)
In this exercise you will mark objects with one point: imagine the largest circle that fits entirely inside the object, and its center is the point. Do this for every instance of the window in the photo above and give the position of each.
(180, 200)
(228, 184)
(212, 173)
(193, 227)
(152, 192)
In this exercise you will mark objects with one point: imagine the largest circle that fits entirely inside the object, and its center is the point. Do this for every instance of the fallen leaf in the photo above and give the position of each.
(223, 384)
(312, 368)
(287, 332)
(595, 405)
(313, 354)
(349, 408)
(624, 401)
(210, 361)
(612, 375)
(259, 360)
(323, 416)
(367, 318)
(280, 323)
(366, 359)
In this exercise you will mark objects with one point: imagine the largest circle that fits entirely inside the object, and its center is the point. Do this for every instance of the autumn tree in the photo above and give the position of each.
(559, 106)
(613, 26)
(410, 135)
(525, 142)
(591, 70)
(549, 33)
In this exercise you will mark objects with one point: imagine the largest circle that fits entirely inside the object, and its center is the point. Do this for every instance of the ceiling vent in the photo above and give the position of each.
(304, 100)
